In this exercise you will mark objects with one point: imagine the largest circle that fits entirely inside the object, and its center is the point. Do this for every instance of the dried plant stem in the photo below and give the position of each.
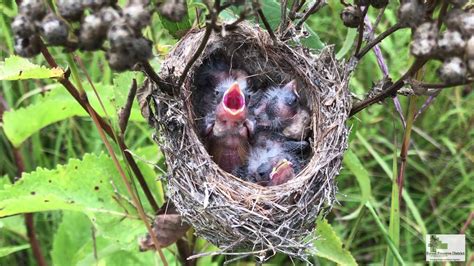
(29, 219)
(390, 91)
(266, 24)
(124, 114)
(102, 127)
(130, 190)
(148, 69)
(406, 144)
(105, 126)
(379, 38)
(35, 246)
(361, 30)
(313, 9)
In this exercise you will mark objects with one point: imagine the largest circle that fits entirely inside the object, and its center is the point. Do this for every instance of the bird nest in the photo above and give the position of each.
(240, 217)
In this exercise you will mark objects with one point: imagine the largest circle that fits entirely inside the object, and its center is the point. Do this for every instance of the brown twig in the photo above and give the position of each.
(379, 38)
(266, 24)
(150, 72)
(131, 192)
(313, 9)
(124, 114)
(283, 10)
(105, 126)
(295, 7)
(213, 16)
(361, 30)
(35, 246)
(28, 217)
(185, 251)
(406, 144)
(390, 91)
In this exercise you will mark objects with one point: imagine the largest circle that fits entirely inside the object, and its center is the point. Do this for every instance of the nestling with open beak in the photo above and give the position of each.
(280, 109)
(227, 129)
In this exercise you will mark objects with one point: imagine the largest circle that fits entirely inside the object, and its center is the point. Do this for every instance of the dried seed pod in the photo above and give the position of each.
(174, 10)
(108, 15)
(453, 70)
(137, 16)
(452, 19)
(34, 9)
(96, 4)
(467, 24)
(71, 10)
(54, 30)
(27, 46)
(92, 33)
(120, 61)
(470, 48)
(379, 3)
(411, 13)
(351, 16)
(142, 49)
(451, 43)
(22, 26)
(470, 66)
(120, 35)
(424, 40)
(362, 2)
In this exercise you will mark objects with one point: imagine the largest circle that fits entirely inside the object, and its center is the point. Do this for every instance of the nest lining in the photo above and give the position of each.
(241, 217)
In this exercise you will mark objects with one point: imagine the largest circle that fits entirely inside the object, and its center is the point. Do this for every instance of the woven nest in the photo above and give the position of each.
(240, 217)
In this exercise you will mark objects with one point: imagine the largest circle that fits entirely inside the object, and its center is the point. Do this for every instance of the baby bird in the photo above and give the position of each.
(273, 159)
(227, 129)
(279, 108)
(220, 102)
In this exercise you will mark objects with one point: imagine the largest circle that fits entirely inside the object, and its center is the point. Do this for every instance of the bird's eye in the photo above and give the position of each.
(291, 100)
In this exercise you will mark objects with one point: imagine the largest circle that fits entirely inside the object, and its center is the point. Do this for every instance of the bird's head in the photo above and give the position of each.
(232, 107)
(282, 172)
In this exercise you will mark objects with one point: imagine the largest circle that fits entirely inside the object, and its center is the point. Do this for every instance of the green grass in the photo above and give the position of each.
(439, 178)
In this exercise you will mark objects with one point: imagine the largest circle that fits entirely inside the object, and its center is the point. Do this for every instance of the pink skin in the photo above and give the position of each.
(281, 173)
(228, 136)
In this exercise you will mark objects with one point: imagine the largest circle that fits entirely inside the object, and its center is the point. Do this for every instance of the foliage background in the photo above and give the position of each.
(438, 188)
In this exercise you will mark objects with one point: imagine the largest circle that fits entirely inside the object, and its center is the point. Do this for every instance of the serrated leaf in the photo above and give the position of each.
(17, 68)
(55, 106)
(329, 245)
(5, 251)
(87, 186)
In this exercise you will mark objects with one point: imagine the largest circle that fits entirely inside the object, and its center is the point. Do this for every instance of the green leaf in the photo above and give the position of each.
(74, 232)
(5, 251)
(329, 245)
(348, 43)
(352, 162)
(91, 186)
(17, 68)
(176, 29)
(385, 234)
(55, 106)
(394, 226)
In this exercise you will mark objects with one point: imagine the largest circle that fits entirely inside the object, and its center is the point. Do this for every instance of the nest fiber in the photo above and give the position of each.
(244, 218)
